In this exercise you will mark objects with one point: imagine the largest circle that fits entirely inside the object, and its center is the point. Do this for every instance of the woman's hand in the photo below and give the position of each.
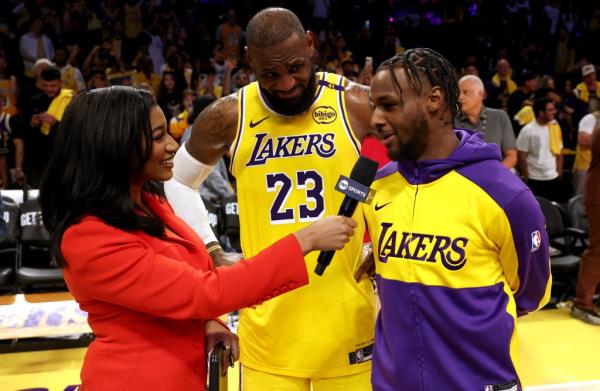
(215, 332)
(330, 233)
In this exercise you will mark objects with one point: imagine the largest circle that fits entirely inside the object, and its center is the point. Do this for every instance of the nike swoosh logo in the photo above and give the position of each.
(253, 124)
(377, 206)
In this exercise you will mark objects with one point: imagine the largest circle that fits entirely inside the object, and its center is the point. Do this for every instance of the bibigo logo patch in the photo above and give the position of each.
(324, 115)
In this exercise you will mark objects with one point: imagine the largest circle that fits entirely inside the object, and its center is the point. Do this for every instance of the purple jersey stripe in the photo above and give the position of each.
(417, 349)
(388, 169)
(346, 122)
(526, 221)
(325, 83)
(241, 95)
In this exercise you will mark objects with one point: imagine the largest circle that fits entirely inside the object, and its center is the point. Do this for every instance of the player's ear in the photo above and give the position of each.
(249, 58)
(435, 99)
(310, 43)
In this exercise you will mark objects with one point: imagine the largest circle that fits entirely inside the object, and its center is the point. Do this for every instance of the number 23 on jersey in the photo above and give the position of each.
(311, 209)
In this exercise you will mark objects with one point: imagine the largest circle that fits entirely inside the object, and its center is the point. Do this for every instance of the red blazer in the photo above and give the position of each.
(148, 299)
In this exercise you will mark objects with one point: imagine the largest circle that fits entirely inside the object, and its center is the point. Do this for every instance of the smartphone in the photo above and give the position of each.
(368, 60)
(216, 381)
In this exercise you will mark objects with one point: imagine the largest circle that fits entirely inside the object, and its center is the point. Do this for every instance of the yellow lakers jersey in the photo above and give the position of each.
(286, 169)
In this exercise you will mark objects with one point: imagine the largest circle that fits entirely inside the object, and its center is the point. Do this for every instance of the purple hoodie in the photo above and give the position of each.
(436, 337)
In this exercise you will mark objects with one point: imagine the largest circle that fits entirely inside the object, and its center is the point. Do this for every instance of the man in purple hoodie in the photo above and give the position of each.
(459, 242)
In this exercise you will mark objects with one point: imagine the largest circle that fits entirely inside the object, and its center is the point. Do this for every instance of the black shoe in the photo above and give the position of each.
(587, 315)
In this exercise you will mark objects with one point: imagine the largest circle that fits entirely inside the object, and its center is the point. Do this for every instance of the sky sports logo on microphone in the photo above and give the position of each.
(354, 189)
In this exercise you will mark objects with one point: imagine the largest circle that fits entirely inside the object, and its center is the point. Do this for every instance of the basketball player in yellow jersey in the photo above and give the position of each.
(291, 134)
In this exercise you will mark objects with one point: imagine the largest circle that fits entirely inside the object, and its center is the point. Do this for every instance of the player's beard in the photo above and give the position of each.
(296, 106)
(415, 147)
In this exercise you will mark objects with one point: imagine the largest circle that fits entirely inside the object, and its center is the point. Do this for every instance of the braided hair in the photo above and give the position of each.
(426, 62)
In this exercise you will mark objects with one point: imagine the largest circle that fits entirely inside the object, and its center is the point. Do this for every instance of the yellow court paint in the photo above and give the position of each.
(555, 348)
(557, 353)
(54, 370)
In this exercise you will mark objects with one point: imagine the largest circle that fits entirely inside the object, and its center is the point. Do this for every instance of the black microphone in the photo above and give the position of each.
(356, 189)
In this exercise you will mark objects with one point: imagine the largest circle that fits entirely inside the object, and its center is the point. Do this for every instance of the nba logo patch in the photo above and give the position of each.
(536, 240)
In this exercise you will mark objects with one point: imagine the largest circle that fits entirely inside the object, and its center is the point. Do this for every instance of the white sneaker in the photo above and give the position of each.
(588, 316)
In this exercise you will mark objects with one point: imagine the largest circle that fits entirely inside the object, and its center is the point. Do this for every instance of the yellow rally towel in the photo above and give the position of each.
(583, 93)
(511, 86)
(524, 116)
(555, 138)
(57, 107)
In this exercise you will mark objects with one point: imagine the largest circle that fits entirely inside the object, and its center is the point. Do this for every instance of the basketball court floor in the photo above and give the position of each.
(556, 352)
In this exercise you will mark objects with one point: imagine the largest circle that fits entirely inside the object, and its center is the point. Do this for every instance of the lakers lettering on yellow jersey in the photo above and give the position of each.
(286, 169)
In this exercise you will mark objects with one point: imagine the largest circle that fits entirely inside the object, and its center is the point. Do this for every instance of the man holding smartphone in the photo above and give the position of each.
(43, 117)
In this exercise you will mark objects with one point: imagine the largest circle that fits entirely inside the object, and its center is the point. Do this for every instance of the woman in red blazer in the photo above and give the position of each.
(143, 276)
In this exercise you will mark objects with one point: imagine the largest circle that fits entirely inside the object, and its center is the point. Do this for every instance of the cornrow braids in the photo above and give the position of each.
(421, 62)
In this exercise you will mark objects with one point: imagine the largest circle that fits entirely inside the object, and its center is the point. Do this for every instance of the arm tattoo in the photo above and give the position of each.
(214, 130)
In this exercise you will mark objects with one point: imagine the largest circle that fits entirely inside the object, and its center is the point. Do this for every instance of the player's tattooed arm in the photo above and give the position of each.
(214, 130)
(359, 113)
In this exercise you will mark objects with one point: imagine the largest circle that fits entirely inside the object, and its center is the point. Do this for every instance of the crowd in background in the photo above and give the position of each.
(522, 50)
